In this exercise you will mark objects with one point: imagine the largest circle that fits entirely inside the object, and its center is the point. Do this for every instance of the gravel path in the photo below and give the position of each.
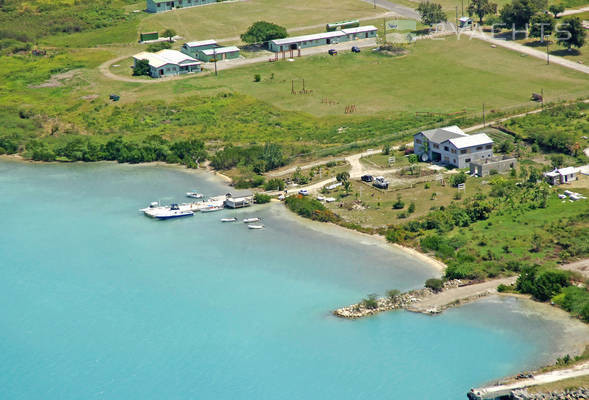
(529, 51)
(443, 300)
(581, 266)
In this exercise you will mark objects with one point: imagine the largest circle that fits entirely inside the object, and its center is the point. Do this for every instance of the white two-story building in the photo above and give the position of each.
(451, 146)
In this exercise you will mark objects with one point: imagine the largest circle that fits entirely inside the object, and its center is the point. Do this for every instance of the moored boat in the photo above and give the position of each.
(234, 219)
(194, 195)
(249, 220)
(255, 226)
(211, 209)
(173, 212)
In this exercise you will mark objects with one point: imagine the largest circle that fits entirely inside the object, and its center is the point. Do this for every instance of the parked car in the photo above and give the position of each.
(304, 192)
(332, 52)
(380, 182)
(367, 178)
(114, 97)
(355, 49)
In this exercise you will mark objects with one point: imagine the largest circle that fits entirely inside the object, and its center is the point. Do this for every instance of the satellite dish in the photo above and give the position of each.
(424, 157)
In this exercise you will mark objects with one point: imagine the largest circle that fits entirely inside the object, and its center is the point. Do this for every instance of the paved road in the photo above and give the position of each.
(529, 51)
(403, 11)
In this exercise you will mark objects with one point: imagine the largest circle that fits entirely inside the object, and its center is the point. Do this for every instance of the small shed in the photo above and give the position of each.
(464, 22)
(145, 36)
(561, 176)
(219, 53)
(238, 202)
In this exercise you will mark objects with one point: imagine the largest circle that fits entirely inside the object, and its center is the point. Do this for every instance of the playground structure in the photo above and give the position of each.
(284, 52)
(302, 91)
(350, 109)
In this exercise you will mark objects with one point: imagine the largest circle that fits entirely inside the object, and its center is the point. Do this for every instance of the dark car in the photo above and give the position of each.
(367, 178)
(332, 52)
(355, 49)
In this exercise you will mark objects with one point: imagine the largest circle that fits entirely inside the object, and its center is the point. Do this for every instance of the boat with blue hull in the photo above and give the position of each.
(173, 212)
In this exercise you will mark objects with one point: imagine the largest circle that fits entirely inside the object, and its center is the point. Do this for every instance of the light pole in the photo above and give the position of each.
(215, 58)
(547, 54)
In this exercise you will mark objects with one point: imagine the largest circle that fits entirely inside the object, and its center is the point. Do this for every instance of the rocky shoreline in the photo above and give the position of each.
(400, 301)
(567, 394)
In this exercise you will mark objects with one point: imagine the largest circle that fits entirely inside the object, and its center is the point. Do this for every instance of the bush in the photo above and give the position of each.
(458, 178)
(371, 301)
(155, 47)
(434, 284)
(411, 208)
(274, 184)
(543, 284)
(257, 78)
(310, 208)
(141, 68)
(261, 198)
(399, 204)
(393, 293)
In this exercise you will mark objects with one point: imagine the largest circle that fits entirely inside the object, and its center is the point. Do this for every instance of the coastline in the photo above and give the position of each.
(436, 266)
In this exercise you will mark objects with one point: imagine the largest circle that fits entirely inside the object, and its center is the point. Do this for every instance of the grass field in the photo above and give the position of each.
(436, 76)
(229, 20)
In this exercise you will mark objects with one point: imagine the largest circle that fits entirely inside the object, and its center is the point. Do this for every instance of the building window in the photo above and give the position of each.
(436, 146)
(479, 147)
(463, 151)
(453, 151)
(454, 161)
(489, 146)
(467, 160)
(417, 141)
(446, 148)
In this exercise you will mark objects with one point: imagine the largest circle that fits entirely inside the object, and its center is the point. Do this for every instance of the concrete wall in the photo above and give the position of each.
(501, 166)
(223, 56)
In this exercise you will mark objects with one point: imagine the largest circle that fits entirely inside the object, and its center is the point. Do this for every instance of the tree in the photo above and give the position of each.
(371, 301)
(431, 13)
(393, 294)
(542, 25)
(571, 33)
(155, 47)
(412, 158)
(263, 31)
(457, 179)
(517, 14)
(169, 33)
(556, 9)
(342, 176)
(274, 184)
(141, 68)
(481, 8)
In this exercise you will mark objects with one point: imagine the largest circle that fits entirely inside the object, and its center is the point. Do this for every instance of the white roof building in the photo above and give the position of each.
(165, 57)
(220, 50)
(201, 43)
(463, 142)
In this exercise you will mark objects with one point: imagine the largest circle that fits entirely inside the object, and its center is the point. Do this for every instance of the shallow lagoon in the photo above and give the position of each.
(100, 302)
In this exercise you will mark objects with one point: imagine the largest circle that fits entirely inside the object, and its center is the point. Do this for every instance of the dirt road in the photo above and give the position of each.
(447, 298)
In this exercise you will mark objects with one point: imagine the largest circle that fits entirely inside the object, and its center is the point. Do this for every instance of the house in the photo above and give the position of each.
(451, 146)
(486, 166)
(238, 202)
(168, 63)
(561, 176)
(322, 39)
(156, 6)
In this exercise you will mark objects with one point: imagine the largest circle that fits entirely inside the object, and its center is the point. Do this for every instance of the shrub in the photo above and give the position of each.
(262, 32)
(543, 284)
(155, 47)
(141, 68)
(399, 204)
(411, 208)
(434, 284)
(257, 78)
(458, 178)
(371, 301)
(393, 293)
(261, 198)
(274, 184)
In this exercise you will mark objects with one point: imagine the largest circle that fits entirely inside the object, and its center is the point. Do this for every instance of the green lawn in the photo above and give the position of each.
(436, 76)
(229, 20)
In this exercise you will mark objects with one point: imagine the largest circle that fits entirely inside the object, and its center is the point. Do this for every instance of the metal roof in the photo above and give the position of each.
(440, 135)
(164, 57)
(306, 38)
(201, 43)
(471, 140)
(220, 50)
(359, 29)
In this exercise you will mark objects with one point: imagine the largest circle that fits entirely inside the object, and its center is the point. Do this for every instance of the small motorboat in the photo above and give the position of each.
(194, 195)
(229, 219)
(321, 198)
(211, 209)
(173, 212)
(329, 199)
(250, 220)
(255, 226)
(152, 205)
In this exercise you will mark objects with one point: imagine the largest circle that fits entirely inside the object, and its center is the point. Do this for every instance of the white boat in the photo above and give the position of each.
(229, 219)
(320, 198)
(173, 212)
(250, 220)
(252, 226)
(211, 209)
(194, 195)
(329, 199)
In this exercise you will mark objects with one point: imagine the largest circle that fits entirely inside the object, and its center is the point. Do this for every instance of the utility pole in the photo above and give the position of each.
(374, 3)
(384, 25)
(542, 94)
(456, 17)
(462, 8)
(484, 122)
(547, 54)
(215, 58)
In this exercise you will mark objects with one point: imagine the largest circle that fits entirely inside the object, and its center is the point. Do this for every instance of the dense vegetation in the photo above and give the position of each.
(557, 129)
(310, 208)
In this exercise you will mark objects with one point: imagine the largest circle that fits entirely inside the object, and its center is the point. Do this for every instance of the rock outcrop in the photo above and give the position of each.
(567, 394)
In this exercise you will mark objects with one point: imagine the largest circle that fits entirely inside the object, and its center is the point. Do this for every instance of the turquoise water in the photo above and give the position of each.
(99, 302)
